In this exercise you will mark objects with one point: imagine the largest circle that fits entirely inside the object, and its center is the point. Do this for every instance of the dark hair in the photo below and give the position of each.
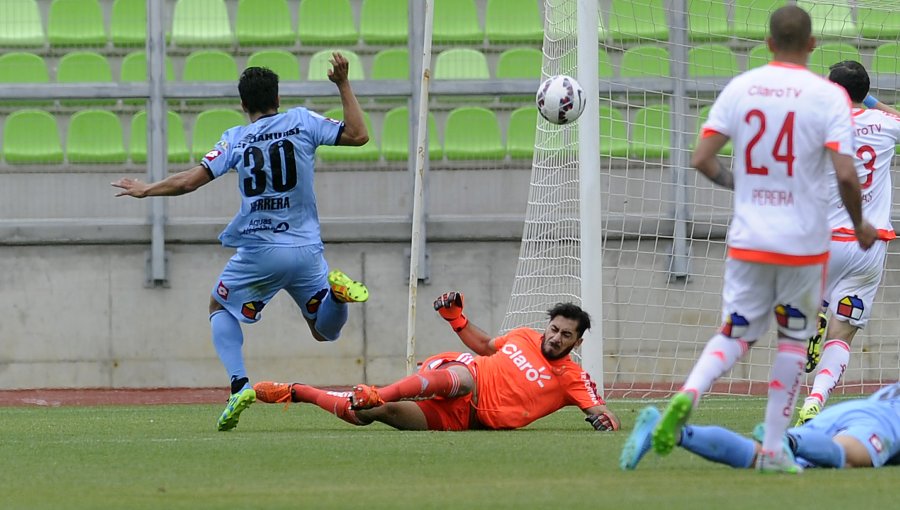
(851, 75)
(790, 28)
(258, 87)
(574, 312)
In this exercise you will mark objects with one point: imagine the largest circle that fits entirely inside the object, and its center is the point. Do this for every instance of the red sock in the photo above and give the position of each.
(438, 383)
(335, 402)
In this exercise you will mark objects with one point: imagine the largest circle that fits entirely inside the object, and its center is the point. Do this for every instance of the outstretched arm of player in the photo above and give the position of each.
(176, 184)
(450, 306)
(602, 419)
(355, 132)
(707, 162)
(848, 185)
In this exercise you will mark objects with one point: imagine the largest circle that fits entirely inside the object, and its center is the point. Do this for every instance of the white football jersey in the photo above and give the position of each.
(783, 120)
(877, 133)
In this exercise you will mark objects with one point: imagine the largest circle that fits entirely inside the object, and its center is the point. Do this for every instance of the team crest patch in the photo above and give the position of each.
(789, 317)
(851, 307)
(312, 306)
(222, 291)
(251, 309)
(876, 443)
(735, 326)
(213, 154)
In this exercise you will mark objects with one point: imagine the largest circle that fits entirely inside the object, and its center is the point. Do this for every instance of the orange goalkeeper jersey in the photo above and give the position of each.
(517, 385)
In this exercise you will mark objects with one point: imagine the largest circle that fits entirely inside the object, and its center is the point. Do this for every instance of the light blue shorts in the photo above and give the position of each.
(861, 425)
(254, 275)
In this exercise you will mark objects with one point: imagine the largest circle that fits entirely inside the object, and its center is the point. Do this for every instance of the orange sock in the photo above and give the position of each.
(438, 383)
(335, 402)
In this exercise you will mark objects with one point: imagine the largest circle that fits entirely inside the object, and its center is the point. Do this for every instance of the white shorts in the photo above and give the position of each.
(853, 279)
(754, 292)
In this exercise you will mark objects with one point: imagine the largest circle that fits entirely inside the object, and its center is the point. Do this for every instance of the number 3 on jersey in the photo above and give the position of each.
(783, 151)
(866, 154)
(283, 167)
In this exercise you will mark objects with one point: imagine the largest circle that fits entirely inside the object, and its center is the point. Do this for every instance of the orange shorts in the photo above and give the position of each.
(447, 413)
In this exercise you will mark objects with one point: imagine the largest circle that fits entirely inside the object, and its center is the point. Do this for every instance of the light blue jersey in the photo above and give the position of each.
(274, 158)
(873, 421)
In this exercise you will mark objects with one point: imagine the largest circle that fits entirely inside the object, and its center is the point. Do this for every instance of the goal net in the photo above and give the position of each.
(663, 226)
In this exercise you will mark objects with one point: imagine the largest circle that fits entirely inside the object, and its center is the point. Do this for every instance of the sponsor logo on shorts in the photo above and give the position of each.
(252, 309)
(789, 317)
(518, 358)
(876, 443)
(735, 326)
(851, 307)
(213, 154)
(312, 306)
(222, 291)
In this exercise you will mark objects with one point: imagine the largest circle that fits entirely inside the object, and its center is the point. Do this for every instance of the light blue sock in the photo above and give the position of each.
(331, 318)
(719, 444)
(818, 448)
(228, 339)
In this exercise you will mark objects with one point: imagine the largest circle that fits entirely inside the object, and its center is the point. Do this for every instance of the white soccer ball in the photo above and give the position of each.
(560, 99)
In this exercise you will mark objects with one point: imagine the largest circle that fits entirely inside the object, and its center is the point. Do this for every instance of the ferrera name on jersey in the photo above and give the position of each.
(265, 137)
(270, 204)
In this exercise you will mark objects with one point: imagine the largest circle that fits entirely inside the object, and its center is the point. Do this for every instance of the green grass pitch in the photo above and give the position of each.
(172, 457)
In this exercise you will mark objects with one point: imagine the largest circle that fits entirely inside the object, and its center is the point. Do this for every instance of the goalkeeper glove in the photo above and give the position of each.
(603, 422)
(450, 306)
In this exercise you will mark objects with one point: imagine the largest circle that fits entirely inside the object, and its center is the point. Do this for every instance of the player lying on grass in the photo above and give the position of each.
(512, 380)
(863, 432)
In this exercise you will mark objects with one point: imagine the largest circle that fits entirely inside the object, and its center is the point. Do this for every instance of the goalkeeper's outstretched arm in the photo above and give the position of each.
(450, 306)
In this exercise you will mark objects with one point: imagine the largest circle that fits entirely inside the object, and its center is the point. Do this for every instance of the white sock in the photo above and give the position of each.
(784, 386)
(719, 355)
(835, 356)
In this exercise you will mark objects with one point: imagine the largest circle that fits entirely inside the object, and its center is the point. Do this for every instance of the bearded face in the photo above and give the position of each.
(560, 337)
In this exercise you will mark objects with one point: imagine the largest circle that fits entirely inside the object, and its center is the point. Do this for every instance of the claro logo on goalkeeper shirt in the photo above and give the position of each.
(518, 358)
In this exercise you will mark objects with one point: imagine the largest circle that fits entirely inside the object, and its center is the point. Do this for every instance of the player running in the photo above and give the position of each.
(786, 124)
(512, 381)
(854, 274)
(276, 230)
(856, 433)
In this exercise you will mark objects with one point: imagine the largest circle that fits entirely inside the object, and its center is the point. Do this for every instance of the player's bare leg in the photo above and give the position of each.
(835, 356)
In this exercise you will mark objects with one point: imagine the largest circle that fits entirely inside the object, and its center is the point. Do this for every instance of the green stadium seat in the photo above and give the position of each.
(319, 65)
(201, 23)
(520, 63)
(391, 64)
(651, 135)
(473, 133)
(521, 132)
(31, 137)
(384, 21)
(712, 60)
(21, 25)
(208, 129)
(645, 61)
(513, 21)
(830, 19)
(604, 66)
(23, 68)
(633, 20)
(395, 136)
(128, 23)
(831, 53)
(264, 23)
(84, 67)
(708, 20)
(210, 65)
(134, 67)
(76, 23)
(282, 62)
(613, 133)
(367, 152)
(751, 17)
(758, 56)
(878, 23)
(95, 136)
(461, 64)
(456, 22)
(702, 115)
(326, 23)
(886, 59)
(176, 145)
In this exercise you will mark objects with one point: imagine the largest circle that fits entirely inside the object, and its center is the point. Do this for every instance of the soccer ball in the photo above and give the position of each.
(560, 99)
